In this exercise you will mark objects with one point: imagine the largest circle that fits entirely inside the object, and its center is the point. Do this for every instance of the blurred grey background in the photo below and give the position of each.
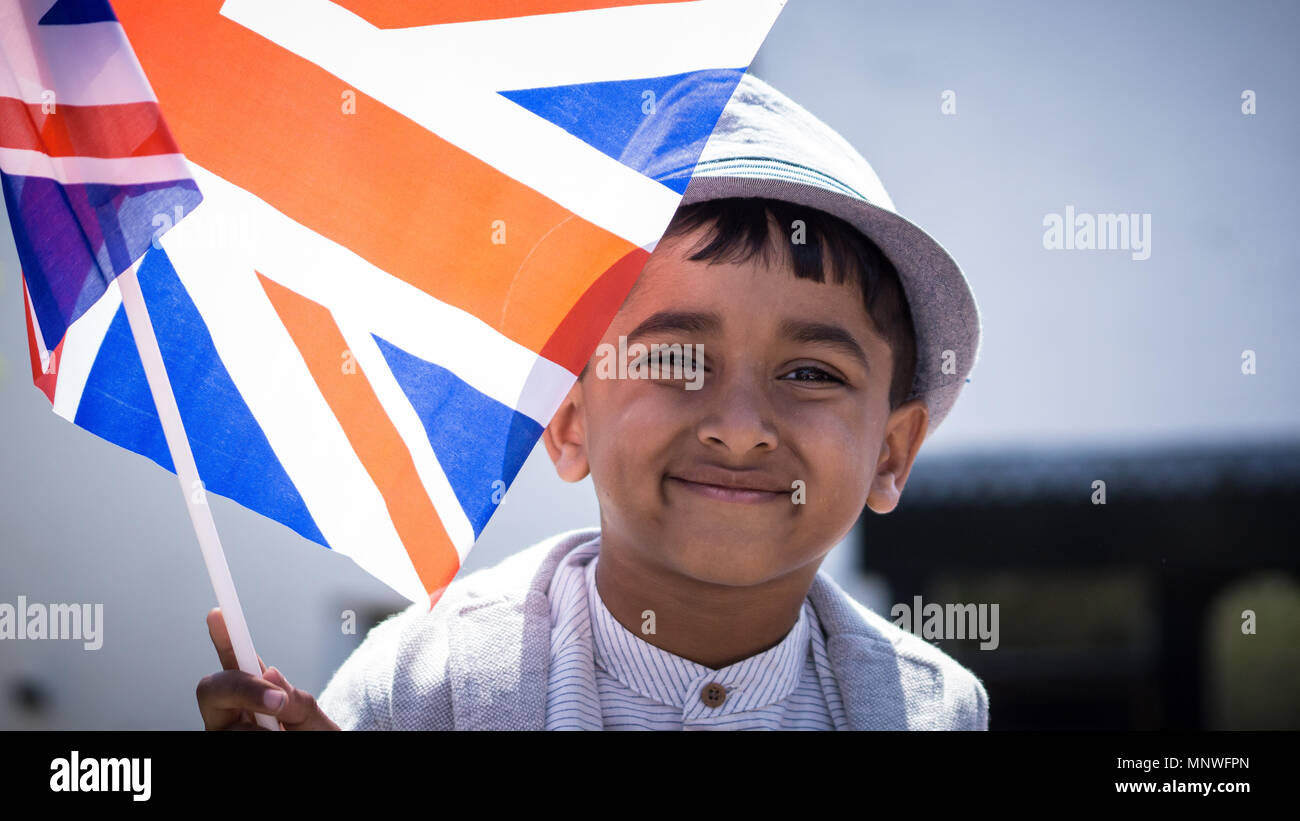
(1108, 107)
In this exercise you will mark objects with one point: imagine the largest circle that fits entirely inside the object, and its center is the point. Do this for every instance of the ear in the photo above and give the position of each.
(904, 432)
(566, 437)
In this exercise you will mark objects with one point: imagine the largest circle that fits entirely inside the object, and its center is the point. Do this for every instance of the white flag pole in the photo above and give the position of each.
(188, 475)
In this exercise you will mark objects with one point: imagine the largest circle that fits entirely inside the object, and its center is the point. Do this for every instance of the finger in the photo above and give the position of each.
(221, 640)
(247, 726)
(249, 720)
(301, 712)
(223, 695)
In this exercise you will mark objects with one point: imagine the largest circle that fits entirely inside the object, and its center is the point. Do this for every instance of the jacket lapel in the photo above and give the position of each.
(499, 657)
(863, 660)
(485, 666)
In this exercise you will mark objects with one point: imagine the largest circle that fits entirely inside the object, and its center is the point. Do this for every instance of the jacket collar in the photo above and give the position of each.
(509, 612)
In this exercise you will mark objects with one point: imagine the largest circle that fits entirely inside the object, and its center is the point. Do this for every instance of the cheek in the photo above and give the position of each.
(631, 429)
(839, 448)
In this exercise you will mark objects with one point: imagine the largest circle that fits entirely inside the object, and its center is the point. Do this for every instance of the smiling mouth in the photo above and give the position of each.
(723, 493)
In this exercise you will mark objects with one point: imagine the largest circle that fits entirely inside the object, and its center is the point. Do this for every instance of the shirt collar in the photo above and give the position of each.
(749, 684)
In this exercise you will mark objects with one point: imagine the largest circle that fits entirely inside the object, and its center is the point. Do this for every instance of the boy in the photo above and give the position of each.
(698, 603)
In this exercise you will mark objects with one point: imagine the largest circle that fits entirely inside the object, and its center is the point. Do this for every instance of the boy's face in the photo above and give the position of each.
(707, 481)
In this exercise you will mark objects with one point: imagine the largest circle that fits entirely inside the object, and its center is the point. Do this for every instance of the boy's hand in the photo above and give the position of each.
(228, 699)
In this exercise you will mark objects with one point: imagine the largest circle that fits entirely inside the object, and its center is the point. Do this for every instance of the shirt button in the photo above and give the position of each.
(713, 694)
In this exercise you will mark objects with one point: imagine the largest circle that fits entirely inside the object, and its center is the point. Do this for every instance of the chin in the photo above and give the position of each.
(733, 559)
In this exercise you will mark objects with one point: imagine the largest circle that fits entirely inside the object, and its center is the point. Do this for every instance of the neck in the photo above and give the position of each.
(710, 624)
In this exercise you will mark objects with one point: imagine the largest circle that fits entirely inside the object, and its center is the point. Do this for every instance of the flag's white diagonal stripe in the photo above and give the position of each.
(620, 43)
(271, 376)
(411, 430)
(398, 312)
(570, 172)
(80, 347)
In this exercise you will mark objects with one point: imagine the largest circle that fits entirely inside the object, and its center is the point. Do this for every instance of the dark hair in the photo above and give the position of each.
(740, 229)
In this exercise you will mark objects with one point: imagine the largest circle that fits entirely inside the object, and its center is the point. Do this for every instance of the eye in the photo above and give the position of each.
(669, 359)
(669, 363)
(808, 373)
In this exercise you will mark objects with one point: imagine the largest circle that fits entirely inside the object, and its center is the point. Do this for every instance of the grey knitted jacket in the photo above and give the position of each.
(479, 659)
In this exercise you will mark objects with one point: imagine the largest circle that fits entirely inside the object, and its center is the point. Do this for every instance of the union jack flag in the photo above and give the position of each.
(416, 222)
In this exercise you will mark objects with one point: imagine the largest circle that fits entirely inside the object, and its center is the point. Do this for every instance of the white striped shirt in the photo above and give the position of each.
(610, 678)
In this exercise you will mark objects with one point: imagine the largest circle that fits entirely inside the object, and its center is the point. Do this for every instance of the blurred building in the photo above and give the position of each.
(1127, 614)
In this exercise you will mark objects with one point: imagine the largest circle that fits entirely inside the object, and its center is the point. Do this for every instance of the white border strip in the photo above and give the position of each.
(78, 170)
(41, 349)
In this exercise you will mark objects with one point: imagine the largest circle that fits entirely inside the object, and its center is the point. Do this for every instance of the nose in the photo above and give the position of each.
(738, 413)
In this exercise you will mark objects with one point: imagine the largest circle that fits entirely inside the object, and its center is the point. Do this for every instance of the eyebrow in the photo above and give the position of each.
(822, 333)
(796, 330)
(679, 321)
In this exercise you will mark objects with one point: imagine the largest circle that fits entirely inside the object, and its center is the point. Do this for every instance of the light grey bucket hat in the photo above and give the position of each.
(766, 145)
